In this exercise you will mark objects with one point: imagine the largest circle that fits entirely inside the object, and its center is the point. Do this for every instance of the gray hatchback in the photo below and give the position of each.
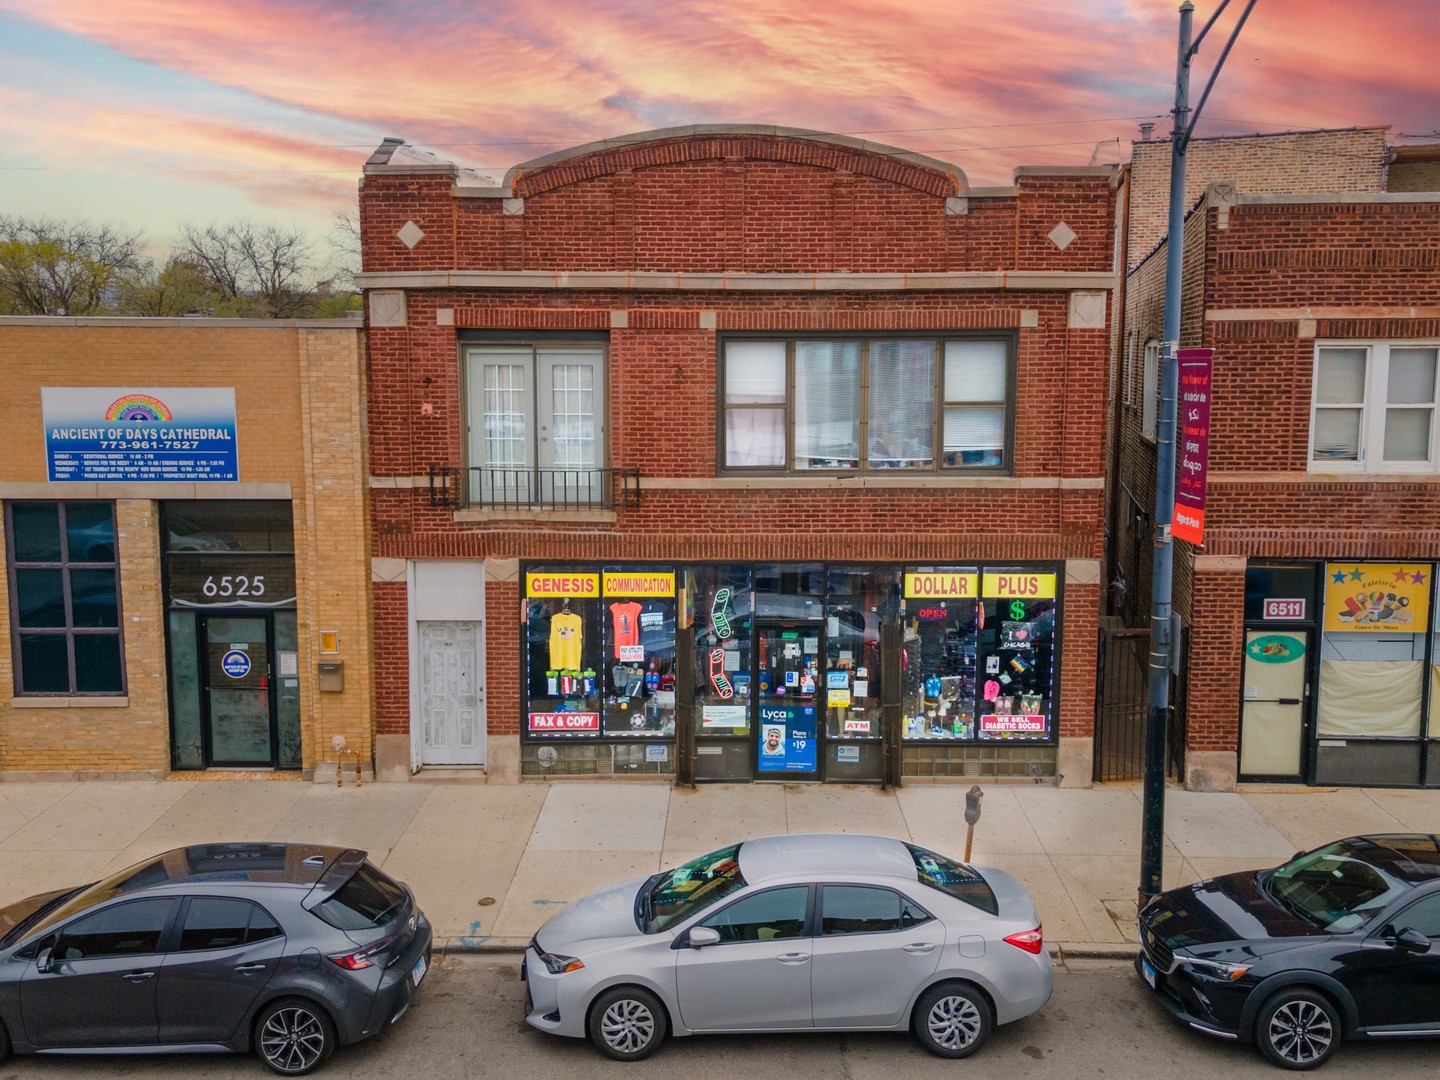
(287, 949)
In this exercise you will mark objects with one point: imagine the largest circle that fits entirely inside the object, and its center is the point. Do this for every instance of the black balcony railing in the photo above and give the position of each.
(534, 489)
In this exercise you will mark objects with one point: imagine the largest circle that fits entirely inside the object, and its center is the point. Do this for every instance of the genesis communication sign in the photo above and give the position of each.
(151, 434)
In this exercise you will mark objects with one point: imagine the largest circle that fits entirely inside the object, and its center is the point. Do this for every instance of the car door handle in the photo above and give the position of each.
(793, 957)
(138, 976)
(250, 969)
(919, 947)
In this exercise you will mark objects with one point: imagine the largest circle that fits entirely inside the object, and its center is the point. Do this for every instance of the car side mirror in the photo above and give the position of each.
(701, 936)
(44, 961)
(1412, 941)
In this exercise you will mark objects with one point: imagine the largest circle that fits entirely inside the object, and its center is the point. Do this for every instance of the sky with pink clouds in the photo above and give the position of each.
(150, 113)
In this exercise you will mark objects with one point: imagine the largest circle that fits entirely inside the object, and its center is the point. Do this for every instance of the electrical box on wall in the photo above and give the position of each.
(330, 676)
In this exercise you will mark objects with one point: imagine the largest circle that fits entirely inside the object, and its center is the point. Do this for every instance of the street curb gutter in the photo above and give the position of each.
(465, 945)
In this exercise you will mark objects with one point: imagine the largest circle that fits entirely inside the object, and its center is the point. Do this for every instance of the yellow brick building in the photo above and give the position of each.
(185, 547)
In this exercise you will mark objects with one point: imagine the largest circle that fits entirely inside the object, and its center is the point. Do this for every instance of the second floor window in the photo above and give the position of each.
(535, 420)
(832, 404)
(1374, 407)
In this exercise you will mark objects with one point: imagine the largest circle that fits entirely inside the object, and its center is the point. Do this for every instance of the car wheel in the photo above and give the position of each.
(1298, 1028)
(294, 1037)
(952, 1020)
(628, 1023)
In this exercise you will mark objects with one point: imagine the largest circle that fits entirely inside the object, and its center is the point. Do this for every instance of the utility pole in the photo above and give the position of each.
(1152, 840)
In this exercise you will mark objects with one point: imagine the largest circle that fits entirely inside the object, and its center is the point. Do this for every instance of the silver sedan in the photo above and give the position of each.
(826, 932)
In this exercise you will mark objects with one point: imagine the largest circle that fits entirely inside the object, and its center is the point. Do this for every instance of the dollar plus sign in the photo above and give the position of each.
(1017, 610)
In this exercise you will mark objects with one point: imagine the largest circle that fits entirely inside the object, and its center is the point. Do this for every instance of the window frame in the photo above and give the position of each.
(1370, 457)
(1150, 390)
(69, 631)
(476, 343)
(1009, 339)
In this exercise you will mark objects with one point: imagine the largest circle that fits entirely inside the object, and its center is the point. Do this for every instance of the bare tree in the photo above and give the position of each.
(178, 287)
(51, 267)
(256, 270)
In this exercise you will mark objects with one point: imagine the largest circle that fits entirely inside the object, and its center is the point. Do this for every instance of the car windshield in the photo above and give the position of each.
(674, 895)
(1335, 887)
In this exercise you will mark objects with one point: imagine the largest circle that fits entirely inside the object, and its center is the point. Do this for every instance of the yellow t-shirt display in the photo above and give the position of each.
(565, 637)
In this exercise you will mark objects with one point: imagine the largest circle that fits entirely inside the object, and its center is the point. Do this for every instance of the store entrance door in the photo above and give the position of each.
(1276, 697)
(788, 678)
(239, 709)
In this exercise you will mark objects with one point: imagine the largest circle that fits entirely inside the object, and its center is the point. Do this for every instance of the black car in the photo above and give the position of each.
(285, 949)
(1340, 942)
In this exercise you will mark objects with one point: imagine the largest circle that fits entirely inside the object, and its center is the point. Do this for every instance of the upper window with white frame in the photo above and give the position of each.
(810, 405)
(535, 422)
(1150, 392)
(1373, 407)
(65, 598)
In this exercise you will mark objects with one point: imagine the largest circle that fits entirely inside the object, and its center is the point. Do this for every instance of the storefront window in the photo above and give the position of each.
(1372, 654)
(978, 654)
(639, 651)
(564, 652)
(722, 602)
(859, 602)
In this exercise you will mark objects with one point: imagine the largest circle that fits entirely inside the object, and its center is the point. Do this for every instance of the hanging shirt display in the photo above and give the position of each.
(565, 640)
(626, 620)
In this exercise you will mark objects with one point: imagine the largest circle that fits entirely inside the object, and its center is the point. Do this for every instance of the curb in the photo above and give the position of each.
(1060, 951)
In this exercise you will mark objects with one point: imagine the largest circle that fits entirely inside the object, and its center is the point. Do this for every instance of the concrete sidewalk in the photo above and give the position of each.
(490, 863)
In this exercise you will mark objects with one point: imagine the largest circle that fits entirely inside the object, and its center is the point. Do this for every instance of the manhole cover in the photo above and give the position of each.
(486, 901)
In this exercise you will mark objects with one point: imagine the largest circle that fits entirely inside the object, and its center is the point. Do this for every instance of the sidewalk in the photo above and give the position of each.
(490, 863)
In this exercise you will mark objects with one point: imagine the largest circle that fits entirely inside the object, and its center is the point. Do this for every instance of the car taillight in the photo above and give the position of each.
(361, 959)
(1032, 941)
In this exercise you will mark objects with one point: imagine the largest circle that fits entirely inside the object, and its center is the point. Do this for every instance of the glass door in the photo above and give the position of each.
(789, 680)
(1272, 713)
(239, 707)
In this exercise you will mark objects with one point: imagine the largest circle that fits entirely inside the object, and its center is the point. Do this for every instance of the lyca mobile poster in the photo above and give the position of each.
(130, 434)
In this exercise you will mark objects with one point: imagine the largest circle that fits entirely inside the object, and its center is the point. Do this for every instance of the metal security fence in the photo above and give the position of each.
(1122, 708)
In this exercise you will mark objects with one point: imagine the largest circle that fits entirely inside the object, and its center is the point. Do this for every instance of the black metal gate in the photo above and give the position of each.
(1122, 708)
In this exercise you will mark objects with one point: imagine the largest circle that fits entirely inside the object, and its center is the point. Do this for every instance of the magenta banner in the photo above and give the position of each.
(1192, 423)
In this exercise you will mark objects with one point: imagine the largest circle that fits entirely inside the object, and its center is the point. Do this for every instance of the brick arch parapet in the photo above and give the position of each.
(718, 142)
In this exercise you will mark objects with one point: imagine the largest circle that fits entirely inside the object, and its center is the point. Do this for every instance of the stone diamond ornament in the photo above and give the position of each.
(1062, 236)
(411, 234)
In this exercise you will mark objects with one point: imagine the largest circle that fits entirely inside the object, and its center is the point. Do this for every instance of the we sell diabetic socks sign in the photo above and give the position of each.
(128, 434)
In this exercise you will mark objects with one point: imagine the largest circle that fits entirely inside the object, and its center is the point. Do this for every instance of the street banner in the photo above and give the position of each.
(1192, 422)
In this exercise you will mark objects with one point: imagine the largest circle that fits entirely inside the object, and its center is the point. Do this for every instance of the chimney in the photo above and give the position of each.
(1145, 129)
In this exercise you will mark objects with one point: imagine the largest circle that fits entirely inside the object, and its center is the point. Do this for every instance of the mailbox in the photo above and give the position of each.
(331, 676)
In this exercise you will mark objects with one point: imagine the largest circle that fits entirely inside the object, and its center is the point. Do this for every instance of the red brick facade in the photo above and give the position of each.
(666, 244)
(1266, 279)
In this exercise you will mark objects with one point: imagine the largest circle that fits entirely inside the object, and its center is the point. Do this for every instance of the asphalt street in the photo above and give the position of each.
(466, 1023)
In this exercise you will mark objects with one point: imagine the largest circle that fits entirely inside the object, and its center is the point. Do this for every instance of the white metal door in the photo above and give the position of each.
(452, 693)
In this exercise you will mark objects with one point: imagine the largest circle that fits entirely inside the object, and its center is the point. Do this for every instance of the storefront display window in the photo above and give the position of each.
(639, 652)
(722, 603)
(564, 652)
(858, 602)
(1372, 654)
(978, 654)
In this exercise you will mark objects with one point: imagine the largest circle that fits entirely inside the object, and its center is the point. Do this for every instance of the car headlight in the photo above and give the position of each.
(558, 965)
(1216, 969)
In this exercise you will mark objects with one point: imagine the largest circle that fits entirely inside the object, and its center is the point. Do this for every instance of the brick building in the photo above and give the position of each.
(775, 450)
(184, 547)
(1308, 612)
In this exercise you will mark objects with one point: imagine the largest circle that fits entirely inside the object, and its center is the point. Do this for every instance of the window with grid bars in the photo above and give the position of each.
(65, 598)
(1373, 407)
(536, 423)
(867, 404)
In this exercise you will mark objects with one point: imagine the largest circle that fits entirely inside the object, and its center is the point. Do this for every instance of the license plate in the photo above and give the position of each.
(418, 971)
(1148, 972)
